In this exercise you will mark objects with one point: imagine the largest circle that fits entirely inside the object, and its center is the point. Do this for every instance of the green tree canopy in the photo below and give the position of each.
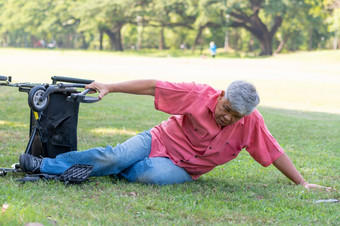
(115, 24)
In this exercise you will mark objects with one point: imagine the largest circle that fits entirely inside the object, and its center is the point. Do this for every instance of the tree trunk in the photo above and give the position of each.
(226, 41)
(266, 45)
(34, 41)
(161, 44)
(84, 44)
(75, 40)
(283, 42)
(238, 43)
(310, 39)
(335, 43)
(112, 37)
(5, 38)
(115, 38)
(101, 35)
(260, 32)
(251, 44)
(69, 43)
(118, 44)
(256, 27)
(198, 36)
(140, 30)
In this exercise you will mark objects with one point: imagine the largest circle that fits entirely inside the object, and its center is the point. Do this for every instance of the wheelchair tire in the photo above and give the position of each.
(34, 99)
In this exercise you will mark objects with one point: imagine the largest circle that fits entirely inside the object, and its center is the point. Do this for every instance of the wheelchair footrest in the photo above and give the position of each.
(77, 173)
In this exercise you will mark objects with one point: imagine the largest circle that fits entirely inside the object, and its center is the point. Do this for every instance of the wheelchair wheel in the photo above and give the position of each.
(34, 99)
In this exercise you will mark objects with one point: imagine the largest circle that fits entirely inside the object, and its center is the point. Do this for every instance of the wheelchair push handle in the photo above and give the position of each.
(8, 79)
(56, 79)
(3, 78)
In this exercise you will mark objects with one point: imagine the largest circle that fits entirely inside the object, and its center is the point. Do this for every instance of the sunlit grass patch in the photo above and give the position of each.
(12, 124)
(113, 131)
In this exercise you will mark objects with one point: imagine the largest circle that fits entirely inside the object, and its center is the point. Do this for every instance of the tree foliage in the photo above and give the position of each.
(263, 26)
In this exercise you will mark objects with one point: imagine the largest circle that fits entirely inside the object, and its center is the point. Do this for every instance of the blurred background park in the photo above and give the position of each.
(289, 49)
(238, 27)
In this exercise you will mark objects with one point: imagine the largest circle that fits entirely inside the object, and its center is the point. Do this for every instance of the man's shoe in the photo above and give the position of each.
(30, 163)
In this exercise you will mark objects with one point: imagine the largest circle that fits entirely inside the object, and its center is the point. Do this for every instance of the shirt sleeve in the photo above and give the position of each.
(175, 98)
(262, 146)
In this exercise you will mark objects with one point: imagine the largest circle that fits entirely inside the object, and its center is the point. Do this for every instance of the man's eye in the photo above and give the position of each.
(238, 116)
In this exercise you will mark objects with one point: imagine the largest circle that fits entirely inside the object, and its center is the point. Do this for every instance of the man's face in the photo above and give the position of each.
(224, 114)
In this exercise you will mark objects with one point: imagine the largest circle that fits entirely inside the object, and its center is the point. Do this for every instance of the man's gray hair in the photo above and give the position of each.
(242, 97)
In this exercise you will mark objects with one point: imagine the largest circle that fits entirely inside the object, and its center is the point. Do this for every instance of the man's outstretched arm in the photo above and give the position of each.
(140, 87)
(285, 165)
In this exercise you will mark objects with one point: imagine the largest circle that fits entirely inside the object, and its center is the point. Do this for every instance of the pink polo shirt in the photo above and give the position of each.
(193, 140)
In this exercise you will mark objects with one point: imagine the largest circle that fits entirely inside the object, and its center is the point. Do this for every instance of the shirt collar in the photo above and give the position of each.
(212, 102)
(241, 121)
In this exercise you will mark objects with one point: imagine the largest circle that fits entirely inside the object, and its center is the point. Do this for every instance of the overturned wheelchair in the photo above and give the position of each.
(54, 112)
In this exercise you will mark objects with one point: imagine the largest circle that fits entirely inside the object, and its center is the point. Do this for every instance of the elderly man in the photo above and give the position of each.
(208, 127)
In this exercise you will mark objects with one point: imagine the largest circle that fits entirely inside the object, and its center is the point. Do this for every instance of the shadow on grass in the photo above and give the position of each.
(307, 115)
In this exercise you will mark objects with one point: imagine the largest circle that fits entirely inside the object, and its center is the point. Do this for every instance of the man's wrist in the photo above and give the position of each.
(303, 183)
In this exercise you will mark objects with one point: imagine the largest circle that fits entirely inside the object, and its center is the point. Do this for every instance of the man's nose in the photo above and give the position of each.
(227, 117)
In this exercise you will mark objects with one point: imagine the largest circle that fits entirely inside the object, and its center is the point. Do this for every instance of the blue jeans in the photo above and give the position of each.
(129, 160)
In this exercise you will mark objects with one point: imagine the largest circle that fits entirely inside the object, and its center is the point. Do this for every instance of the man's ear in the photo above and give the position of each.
(222, 94)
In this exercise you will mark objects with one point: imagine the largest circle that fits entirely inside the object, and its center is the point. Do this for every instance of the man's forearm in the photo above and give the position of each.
(142, 87)
(285, 165)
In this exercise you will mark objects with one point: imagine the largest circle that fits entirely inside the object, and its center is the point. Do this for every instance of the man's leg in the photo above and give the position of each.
(158, 170)
(106, 160)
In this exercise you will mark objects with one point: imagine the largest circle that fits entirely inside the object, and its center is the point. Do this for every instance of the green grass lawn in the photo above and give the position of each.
(240, 192)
